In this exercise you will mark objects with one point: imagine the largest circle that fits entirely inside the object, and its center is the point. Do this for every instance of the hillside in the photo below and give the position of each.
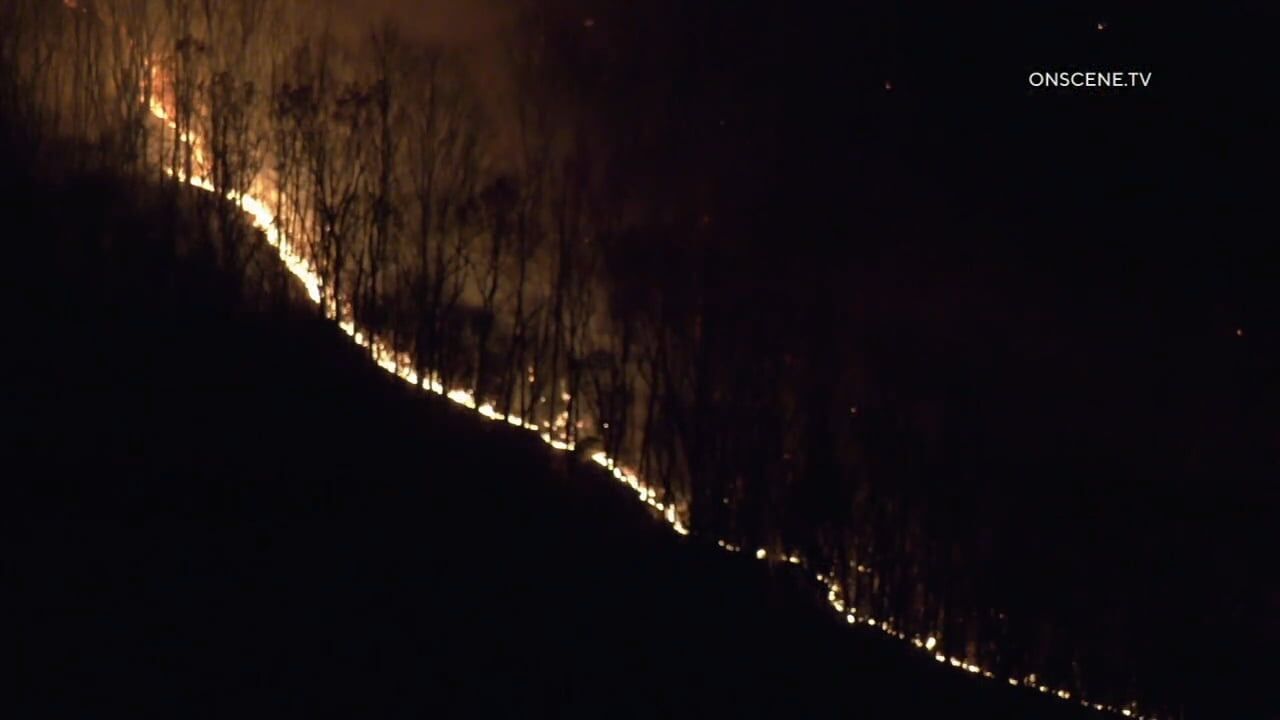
(227, 511)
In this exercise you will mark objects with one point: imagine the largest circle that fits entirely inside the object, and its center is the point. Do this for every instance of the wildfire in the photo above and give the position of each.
(401, 365)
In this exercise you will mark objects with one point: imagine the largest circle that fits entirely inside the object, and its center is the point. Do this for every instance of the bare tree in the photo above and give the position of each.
(384, 218)
(232, 133)
(442, 170)
(498, 203)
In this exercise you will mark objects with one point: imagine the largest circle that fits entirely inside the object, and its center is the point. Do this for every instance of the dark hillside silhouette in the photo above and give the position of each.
(225, 512)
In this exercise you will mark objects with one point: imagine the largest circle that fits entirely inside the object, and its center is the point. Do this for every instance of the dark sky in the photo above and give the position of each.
(768, 99)
(1083, 258)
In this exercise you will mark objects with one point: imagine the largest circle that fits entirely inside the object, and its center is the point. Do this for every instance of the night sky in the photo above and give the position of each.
(1116, 238)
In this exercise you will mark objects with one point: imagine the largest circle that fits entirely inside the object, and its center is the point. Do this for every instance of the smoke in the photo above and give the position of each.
(476, 34)
(455, 24)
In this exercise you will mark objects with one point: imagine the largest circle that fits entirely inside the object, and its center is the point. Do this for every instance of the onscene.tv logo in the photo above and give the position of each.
(1089, 79)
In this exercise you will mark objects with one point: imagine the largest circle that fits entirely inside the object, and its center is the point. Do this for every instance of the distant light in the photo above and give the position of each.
(1102, 25)
(888, 85)
(1239, 332)
(589, 23)
(930, 643)
(761, 554)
